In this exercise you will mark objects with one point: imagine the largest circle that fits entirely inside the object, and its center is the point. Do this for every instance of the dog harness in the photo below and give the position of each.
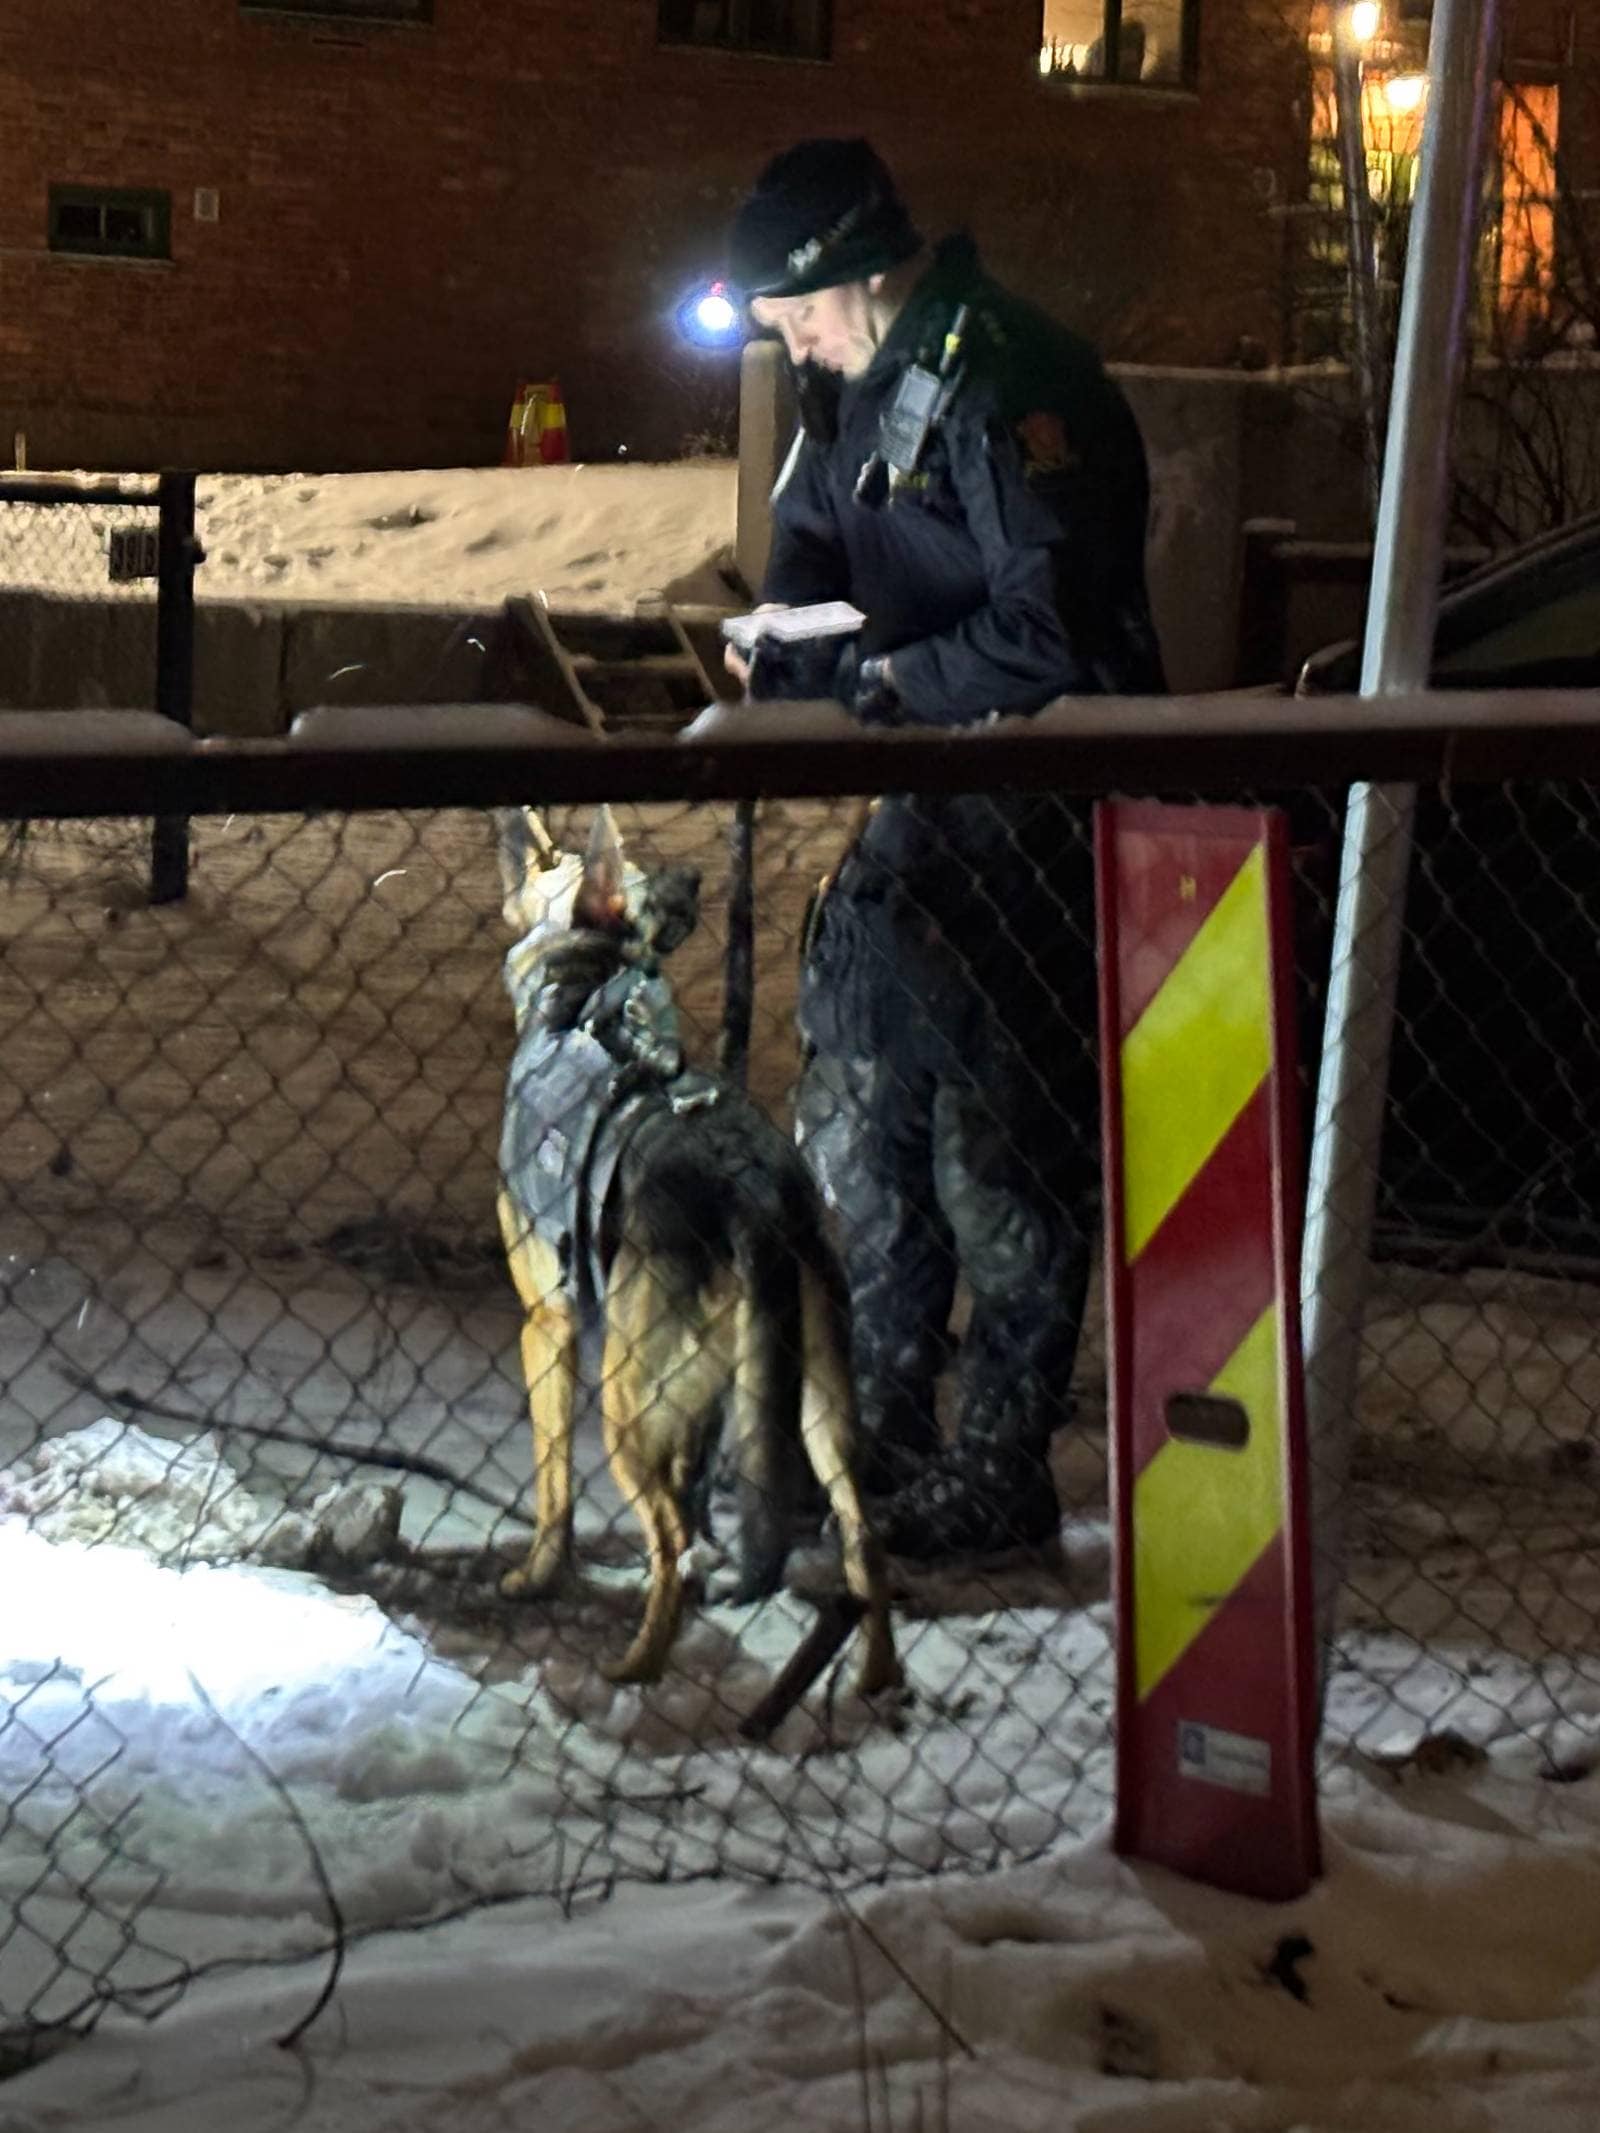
(576, 1098)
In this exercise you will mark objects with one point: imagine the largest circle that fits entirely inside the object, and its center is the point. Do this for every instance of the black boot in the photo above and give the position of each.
(896, 1434)
(989, 1492)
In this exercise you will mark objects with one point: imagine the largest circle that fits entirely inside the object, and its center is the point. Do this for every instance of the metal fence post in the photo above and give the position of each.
(177, 557)
(1353, 1084)
(1362, 272)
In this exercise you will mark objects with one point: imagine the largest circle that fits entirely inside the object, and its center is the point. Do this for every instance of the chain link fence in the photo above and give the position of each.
(78, 568)
(97, 612)
(264, 1449)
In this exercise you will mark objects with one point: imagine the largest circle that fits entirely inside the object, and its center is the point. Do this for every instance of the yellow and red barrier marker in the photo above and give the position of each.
(1216, 1676)
(536, 433)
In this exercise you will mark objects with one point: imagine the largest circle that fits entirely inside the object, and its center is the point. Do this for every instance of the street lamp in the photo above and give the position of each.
(1405, 92)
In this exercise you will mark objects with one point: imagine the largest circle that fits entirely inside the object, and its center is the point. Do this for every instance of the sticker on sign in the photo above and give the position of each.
(1237, 1761)
(135, 553)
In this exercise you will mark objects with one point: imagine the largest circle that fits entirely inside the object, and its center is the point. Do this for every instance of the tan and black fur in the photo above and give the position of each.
(721, 1298)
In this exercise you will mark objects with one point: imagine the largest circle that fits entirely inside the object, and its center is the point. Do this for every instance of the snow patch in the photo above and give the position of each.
(591, 536)
(182, 1502)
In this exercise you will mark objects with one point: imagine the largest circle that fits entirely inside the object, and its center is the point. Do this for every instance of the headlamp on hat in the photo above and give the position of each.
(709, 317)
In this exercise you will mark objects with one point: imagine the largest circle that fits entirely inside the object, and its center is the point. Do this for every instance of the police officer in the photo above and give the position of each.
(967, 475)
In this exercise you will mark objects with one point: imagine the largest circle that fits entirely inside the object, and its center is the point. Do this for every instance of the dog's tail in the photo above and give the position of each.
(768, 1360)
(827, 1430)
(793, 1410)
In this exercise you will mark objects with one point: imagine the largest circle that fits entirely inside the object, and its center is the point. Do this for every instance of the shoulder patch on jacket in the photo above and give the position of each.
(1046, 447)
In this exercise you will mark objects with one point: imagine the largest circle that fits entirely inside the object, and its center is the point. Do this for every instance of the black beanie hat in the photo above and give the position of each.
(822, 213)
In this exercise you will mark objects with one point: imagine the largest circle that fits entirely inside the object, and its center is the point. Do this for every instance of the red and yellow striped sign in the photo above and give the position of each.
(1216, 1681)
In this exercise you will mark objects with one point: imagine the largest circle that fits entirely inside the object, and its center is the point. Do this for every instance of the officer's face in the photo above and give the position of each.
(836, 328)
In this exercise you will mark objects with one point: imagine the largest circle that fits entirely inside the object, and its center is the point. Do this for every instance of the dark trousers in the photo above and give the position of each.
(952, 1124)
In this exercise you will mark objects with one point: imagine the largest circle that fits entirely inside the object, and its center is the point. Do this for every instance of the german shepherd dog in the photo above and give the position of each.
(668, 1202)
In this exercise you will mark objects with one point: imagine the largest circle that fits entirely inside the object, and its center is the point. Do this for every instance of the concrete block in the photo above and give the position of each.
(238, 670)
(766, 431)
(384, 655)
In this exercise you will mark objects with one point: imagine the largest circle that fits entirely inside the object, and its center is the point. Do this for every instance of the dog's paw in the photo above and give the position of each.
(630, 1672)
(880, 1668)
(535, 1579)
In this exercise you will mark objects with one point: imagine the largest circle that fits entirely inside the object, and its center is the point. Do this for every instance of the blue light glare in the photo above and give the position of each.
(710, 318)
(715, 313)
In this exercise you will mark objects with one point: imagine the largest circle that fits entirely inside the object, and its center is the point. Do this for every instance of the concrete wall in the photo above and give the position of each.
(255, 665)
(1224, 450)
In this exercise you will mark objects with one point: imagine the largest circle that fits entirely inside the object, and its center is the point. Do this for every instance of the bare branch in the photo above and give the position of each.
(329, 1896)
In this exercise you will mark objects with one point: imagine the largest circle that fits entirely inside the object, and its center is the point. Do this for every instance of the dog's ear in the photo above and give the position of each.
(601, 904)
(532, 868)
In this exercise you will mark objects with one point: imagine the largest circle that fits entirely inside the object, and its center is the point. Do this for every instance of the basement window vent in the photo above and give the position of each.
(110, 223)
(413, 11)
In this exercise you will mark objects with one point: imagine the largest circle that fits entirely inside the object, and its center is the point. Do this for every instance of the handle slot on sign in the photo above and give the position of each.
(1208, 1418)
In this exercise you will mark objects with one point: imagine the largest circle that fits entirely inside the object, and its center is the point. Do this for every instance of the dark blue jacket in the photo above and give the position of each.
(1010, 570)
(1008, 573)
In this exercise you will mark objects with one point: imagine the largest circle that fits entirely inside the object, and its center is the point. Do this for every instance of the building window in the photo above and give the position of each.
(784, 29)
(1151, 44)
(1519, 263)
(110, 223)
(345, 10)
(1527, 189)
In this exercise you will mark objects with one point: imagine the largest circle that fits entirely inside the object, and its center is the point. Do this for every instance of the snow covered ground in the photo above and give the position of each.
(438, 1753)
(208, 1750)
(592, 536)
(198, 1747)
(1444, 1975)
(217, 1762)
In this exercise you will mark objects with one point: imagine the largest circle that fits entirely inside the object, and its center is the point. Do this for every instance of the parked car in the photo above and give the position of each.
(1491, 1151)
(1528, 619)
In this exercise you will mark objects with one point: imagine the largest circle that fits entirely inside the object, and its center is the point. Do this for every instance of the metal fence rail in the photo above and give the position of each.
(263, 1445)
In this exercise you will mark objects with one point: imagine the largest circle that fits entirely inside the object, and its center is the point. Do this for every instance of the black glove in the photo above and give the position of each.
(863, 686)
(808, 669)
(793, 669)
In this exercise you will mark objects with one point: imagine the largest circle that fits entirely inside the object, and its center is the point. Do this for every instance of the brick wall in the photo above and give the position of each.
(412, 218)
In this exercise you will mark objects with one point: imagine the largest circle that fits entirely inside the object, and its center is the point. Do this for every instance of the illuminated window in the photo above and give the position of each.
(1530, 125)
(346, 10)
(1152, 44)
(782, 29)
(110, 222)
(1518, 261)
